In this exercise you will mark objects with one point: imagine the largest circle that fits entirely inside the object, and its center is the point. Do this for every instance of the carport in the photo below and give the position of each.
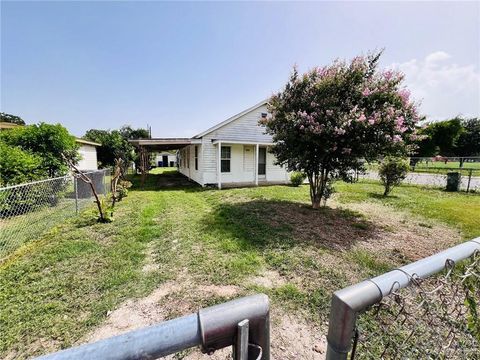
(146, 146)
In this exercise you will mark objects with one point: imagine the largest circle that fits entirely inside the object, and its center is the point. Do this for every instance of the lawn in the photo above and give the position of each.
(172, 250)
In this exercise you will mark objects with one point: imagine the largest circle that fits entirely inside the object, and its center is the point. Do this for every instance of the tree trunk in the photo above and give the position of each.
(317, 187)
(387, 190)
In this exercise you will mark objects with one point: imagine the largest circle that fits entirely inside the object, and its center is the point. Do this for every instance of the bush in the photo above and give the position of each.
(297, 178)
(392, 172)
(18, 166)
(47, 142)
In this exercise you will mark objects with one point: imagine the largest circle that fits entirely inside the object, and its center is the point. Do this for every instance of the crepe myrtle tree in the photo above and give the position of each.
(328, 121)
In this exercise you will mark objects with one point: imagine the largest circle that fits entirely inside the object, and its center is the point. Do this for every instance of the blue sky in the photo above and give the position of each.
(182, 67)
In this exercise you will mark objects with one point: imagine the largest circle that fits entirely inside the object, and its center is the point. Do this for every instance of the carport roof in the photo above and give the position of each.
(160, 144)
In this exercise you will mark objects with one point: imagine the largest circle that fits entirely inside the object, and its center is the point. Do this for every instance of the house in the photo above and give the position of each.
(234, 152)
(165, 159)
(88, 153)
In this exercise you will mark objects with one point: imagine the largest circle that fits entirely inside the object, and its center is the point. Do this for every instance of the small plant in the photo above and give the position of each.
(297, 178)
(392, 172)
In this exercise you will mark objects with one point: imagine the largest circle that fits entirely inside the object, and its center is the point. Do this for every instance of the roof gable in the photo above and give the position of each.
(230, 120)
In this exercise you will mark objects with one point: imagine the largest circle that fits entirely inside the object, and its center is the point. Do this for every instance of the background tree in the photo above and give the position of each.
(47, 142)
(115, 144)
(4, 117)
(468, 142)
(326, 121)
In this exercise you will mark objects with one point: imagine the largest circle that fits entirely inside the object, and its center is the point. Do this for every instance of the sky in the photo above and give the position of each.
(182, 67)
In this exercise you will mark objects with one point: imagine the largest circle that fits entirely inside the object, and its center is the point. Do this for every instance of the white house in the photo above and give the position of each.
(88, 154)
(234, 152)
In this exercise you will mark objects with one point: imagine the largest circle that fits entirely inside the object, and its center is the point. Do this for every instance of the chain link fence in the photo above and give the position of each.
(28, 210)
(433, 318)
(436, 177)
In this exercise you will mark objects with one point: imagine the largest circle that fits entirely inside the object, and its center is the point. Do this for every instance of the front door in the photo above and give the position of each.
(165, 160)
(262, 162)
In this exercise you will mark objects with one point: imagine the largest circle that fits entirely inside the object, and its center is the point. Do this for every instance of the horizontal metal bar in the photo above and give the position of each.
(348, 302)
(213, 328)
(147, 343)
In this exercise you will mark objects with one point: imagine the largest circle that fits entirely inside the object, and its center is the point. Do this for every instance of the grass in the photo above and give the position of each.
(59, 287)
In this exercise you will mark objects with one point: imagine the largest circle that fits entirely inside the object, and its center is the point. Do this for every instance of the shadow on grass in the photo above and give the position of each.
(170, 180)
(267, 224)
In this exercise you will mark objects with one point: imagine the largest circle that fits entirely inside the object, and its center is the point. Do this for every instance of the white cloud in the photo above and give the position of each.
(445, 88)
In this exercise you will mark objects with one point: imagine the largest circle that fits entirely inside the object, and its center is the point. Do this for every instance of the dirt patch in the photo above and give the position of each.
(134, 314)
(268, 279)
(150, 265)
(291, 337)
(219, 290)
(332, 228)
(405, 237)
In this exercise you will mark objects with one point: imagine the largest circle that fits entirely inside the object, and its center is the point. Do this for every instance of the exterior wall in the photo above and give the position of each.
(242, 163)
(89, 157)
(187, 163)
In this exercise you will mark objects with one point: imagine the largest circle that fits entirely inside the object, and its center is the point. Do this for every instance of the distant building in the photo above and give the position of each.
(165, 159)
(88, 153)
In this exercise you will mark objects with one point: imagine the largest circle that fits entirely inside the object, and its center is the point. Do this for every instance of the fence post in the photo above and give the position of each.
(469, 178)
(76, 193)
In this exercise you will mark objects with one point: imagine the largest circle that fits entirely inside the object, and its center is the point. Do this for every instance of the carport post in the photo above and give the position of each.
(219, 167)
(257, 148)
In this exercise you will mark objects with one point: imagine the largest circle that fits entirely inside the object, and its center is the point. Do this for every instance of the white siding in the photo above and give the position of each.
(187, 166)
(88, 155)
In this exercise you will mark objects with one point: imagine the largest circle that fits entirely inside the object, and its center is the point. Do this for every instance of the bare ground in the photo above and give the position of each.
(291, 337)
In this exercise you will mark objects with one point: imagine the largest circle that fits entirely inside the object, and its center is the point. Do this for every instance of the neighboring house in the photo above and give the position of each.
(6, 125)
(88, 153)
(165, 159)
(231, 153)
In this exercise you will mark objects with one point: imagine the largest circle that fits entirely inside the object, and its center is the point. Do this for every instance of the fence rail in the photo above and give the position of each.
(425, 322)
(242, 323)
(28, 210)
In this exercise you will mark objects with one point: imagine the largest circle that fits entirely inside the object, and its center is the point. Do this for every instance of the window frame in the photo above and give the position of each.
(196, 157)
(223, 158)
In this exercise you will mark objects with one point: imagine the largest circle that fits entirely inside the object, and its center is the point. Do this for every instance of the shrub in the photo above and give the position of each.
(392, 172)
(297, 178)
(18, 166)
(47, 142)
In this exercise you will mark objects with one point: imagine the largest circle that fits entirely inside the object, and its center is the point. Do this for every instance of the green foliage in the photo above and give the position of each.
(115, 144)
(18, 166)
(47, 142)
(122, 188)
(468, 143)
(13, 119)
(455, 137)
(392, 172)
(297, 178)
(326, 121)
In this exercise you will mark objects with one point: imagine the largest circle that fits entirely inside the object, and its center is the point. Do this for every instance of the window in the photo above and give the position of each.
(196, 157)
(226, 154)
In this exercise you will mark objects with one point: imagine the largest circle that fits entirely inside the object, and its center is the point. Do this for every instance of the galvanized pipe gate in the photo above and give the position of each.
(350, 301)
(243, 323)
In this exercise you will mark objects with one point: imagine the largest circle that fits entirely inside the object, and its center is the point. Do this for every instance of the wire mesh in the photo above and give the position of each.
(28, 210)
(433, 318)
(436, 177)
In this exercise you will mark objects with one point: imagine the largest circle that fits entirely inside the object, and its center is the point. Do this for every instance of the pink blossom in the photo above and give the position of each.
(404, 95)
(397, 138)
(346, 151)
(371, 121)
(362, 118)
(366, 92)
(339, 131)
